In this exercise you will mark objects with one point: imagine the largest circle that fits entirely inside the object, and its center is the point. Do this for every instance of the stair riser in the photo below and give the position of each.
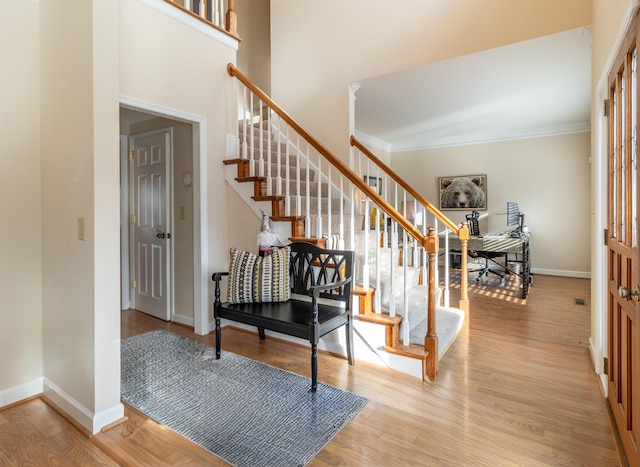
(313, 204)
(293, 187)
(275, 148)
(293, 171)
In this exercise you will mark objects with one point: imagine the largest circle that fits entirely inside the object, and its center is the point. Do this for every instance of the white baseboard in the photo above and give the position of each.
(87, 419)
(558, 272)
(21, 392)
(181, 319)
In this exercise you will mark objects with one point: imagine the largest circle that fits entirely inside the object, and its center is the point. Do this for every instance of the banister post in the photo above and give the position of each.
(231, 23)
(463, 235)
(431, 339)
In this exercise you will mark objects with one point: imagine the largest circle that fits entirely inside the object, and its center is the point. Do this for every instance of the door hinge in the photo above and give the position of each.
(605, 107)
(131, 155)
(606, 236)
(133, 219)
(606, 366)
(134, 284)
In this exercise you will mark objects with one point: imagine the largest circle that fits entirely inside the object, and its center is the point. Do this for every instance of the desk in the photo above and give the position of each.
(501, 244)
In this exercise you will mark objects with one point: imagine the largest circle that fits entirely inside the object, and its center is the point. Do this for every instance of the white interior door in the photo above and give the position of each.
(150, 219)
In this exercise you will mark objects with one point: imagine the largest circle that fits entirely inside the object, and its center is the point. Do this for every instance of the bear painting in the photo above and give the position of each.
(463, 192)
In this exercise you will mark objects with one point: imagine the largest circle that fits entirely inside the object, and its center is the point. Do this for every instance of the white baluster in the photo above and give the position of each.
(215, 13)
(244, 123)
(298, 195)
(307, 209)
(329, 204)
(365, 263)
(269, 152)
(319, 199)
(279, 159)
(447, 267)
(261, 145)
(341, 219)
(287, 178)
(252, 165)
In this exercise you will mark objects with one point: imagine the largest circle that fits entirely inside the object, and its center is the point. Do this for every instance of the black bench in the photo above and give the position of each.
(320, 282)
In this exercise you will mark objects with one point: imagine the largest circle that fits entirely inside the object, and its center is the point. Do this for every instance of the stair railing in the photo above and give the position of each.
(336, 188)
(409, 198)
(217, 13)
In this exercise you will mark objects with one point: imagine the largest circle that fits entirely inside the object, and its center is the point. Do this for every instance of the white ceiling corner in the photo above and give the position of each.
(538, 87)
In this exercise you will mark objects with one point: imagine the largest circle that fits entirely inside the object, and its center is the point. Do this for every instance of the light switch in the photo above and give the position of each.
(80, 228)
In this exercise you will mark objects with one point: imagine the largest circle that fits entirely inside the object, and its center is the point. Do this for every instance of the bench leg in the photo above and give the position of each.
(349, 333)
(314, 367)
(218, 338)
(261, 333)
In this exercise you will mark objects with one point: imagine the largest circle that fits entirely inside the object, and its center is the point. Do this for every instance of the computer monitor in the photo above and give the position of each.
(514, 216)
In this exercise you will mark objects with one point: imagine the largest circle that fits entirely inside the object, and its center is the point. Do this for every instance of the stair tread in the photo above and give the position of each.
(382, 318)
(412, 351)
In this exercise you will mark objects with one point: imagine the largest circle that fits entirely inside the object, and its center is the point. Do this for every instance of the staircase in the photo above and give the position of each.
(312, 196)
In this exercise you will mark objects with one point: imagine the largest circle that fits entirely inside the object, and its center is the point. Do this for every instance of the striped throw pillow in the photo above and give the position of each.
(254, 278)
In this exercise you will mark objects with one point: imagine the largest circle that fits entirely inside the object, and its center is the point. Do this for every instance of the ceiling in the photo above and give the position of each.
(533, 88)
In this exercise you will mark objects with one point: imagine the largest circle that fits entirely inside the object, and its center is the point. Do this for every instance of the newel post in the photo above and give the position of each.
(231, 24)
(431, 339)
(463, 235)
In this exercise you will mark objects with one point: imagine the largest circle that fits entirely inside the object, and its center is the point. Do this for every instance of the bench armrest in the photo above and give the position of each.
(316, 289)
(216, 276)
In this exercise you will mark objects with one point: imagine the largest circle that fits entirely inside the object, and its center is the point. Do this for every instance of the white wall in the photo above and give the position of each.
(175, 67)
(70, 65)
(20, 203)
(317, 48)
(254, 51)
(549, 178)
(79, 115)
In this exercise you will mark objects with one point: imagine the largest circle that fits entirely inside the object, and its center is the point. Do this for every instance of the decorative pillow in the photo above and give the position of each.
(255, 278)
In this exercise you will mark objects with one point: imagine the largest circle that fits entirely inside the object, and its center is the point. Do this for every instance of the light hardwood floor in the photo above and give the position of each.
(517, 388)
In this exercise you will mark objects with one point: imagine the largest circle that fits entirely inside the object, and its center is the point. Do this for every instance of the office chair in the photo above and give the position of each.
(474, 231)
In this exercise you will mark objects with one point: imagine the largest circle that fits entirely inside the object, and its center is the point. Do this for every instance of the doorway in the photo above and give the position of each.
(185, 287)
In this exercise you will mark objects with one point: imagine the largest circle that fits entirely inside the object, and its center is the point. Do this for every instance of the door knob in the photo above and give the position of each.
(626, 293)
(160, 235)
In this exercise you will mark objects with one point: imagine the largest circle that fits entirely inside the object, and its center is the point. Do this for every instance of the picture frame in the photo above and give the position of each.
(374, 182)
(463, 192)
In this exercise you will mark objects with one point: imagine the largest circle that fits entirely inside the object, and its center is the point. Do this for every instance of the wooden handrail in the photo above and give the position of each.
(333, 160)
(408, 188)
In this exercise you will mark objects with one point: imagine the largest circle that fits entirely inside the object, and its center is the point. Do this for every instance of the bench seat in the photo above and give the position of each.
(321, 298)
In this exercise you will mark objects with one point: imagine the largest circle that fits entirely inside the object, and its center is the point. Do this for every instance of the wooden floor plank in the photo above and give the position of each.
(516, 388)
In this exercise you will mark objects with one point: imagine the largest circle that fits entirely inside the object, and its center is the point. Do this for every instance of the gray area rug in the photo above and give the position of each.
(245, 412)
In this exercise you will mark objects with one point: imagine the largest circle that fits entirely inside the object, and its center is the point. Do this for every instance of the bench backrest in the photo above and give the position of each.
(311, 265)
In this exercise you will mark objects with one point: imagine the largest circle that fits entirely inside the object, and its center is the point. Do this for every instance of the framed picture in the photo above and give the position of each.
(374, 182)
(463, 192)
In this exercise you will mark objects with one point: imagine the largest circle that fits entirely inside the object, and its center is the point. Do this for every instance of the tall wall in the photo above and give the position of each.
(254, 52)
(20, 203)
(69, 66)
(80, 180)
(549, 178)
(317, 48)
